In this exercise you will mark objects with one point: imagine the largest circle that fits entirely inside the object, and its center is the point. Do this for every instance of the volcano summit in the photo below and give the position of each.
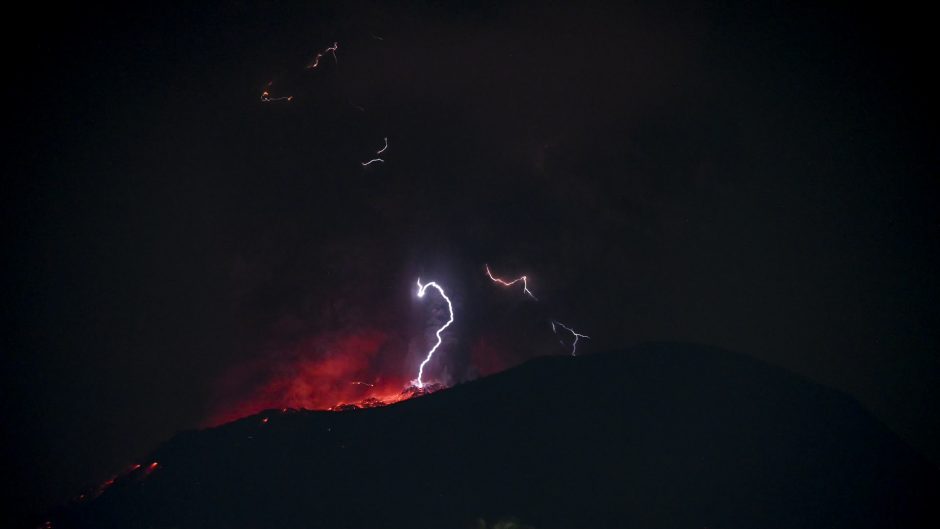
(660, 435)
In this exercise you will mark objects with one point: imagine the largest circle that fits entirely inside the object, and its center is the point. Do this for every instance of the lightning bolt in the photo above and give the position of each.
(574, 344)
(450, 308)
(332, 49)
(380, 151)
(316, 60)
(266, 95)
(525, 285)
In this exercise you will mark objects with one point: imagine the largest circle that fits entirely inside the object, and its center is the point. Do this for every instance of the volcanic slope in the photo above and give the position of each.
(658, 435)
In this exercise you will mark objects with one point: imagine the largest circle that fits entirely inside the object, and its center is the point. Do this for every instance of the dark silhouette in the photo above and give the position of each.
(659, 435)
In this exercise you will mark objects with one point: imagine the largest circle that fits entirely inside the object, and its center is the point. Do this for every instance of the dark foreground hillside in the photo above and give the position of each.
(660, 435)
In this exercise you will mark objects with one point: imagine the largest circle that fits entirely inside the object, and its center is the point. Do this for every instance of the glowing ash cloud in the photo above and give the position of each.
(525, 285)
(574, 344)
(450, 308)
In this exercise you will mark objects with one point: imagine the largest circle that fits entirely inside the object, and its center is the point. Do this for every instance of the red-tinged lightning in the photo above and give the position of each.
(332, 49)
(450, 309)
(574, 344)
(267, 98)
(316, 60)
(525, 284)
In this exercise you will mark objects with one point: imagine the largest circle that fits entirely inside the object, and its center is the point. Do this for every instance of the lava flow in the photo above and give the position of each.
(377, 402)
(329, 371)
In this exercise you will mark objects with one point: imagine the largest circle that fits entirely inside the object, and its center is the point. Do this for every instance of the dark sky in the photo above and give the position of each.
(757, 177)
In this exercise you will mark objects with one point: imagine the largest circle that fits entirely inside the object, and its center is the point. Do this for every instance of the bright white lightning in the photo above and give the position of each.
(574, 344)
(450, 309)
(383, 149)
(525, 284)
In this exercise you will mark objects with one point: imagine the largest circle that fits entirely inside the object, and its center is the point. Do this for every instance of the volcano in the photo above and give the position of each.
(659, 435)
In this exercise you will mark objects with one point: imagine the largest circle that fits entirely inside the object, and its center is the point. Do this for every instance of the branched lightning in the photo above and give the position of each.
(574, 344)
(525, 284)
(450, 308)
(555, 323)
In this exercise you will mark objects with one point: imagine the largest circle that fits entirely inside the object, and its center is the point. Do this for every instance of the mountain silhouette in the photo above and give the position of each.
(658, 435)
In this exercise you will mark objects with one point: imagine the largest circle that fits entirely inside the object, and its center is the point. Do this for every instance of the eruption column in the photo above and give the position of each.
(450, 309)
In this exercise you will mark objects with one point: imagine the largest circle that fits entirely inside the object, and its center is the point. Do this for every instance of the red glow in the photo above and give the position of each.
(317, 373)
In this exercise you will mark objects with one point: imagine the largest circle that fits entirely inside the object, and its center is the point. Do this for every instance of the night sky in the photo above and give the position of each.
(759, 178)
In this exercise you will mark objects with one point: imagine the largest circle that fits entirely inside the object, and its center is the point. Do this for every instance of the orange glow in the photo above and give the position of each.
(315, 373)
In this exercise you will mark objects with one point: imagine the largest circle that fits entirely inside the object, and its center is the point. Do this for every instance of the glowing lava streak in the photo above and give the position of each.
(574, 344)
(450, 309)
(525, 285)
